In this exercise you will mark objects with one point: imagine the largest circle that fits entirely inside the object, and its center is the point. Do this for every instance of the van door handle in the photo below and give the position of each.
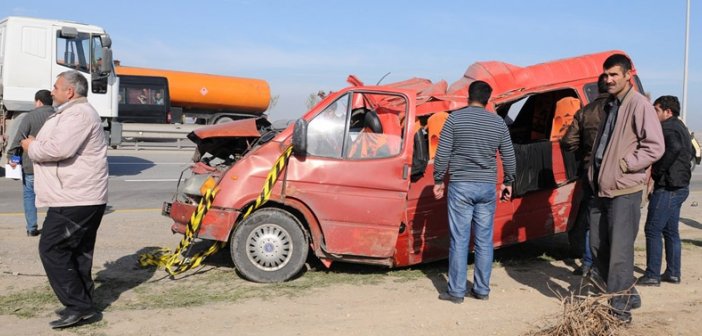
(405, 171)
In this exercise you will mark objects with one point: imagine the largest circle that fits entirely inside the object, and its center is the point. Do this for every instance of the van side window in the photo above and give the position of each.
(539, 120)
(359, 126)
(377, 126)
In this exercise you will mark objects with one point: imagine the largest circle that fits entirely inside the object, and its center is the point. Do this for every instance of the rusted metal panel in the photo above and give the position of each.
(216, 224)
(236, 128)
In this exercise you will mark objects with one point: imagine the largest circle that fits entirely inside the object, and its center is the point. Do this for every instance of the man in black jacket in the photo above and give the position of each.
(671, 175)
(580, 137)
(30, 126)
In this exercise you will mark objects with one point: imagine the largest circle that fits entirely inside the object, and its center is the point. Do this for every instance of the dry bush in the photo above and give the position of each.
(584, 315)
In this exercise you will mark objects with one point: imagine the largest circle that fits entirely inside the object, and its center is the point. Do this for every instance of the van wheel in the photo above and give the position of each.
(269, 246)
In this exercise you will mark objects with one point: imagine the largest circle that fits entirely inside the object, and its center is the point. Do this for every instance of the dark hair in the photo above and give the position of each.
(479, 92)
(44, 96)
(617, 59)
(602, 83)
(669, 103)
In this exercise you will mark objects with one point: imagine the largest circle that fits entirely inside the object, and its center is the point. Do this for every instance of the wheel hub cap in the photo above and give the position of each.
(269, 247)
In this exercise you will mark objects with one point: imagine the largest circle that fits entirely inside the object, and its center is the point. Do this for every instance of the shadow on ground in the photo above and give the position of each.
(529, 264)
(120, 276)
(691, 223)
(695, 242)
(122, 165)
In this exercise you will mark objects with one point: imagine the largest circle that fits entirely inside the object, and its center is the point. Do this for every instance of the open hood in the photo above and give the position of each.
(230, 139)
(237, 128)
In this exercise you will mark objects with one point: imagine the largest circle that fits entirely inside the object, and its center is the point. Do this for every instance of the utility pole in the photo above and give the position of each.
(683, 112)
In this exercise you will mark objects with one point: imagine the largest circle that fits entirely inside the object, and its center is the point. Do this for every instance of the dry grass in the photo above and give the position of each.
(584, 315)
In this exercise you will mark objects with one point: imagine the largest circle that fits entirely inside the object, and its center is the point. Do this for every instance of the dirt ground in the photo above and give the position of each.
(348, 300)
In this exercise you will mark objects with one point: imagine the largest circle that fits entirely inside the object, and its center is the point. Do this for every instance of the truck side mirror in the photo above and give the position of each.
(106, 41)
(299, 139)
(106, 65)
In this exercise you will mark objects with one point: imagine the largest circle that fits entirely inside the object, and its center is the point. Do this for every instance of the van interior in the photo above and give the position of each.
(535, 122)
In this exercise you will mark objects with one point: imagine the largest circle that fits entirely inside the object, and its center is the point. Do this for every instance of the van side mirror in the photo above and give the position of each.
(299, 138)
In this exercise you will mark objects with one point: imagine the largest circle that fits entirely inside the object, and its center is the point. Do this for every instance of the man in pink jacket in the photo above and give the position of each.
(629, 141)
(70, 167)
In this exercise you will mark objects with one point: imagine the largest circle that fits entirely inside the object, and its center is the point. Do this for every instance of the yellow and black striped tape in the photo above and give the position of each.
(174, 262)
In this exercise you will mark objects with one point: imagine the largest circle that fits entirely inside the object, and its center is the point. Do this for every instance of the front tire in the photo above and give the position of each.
(269, 246)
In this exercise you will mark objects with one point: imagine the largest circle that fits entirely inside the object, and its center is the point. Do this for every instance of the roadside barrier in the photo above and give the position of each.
(175, 262)
(161, 136)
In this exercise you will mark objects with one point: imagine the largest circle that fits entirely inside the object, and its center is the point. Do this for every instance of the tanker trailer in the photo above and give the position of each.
(210, 99)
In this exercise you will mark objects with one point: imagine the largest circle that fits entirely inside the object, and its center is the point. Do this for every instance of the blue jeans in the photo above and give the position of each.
(30, 208)
(470, 204)
(589, 206)
(662, 220)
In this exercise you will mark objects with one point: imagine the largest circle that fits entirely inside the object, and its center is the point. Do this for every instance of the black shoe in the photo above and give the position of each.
(33, 233)
(670, 278)
(634, 299)
(479, 296)
(61, 311)
(646, 281)
(70, 319)
(583, 271)
(623, 316)
(448, 297)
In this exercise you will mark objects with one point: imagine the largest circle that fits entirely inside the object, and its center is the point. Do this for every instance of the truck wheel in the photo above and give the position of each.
(223, 120)
(269, 246)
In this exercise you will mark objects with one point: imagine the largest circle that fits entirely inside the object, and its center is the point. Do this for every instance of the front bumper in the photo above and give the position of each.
(217, 223)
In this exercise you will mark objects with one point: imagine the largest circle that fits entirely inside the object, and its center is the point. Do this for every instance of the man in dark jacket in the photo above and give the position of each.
(671, 175)
(30, 126)
(579, 137)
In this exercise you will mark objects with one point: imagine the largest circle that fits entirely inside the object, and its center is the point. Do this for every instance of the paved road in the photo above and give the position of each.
(145, 179)
(138, 180)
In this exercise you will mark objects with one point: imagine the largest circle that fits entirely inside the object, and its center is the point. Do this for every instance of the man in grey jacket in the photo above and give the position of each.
(70, 164)
(629, 141)
(30, 126)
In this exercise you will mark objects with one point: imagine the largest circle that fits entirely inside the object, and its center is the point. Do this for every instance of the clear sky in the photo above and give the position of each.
(303, 46)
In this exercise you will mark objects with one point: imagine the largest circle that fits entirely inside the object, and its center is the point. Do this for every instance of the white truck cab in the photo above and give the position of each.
(34, 51)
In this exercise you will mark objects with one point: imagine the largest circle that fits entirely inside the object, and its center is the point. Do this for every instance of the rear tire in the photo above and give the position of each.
(269, 246)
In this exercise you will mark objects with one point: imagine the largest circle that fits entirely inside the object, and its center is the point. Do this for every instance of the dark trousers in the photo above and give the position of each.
(612, 237)
(66, 251)
(579, 235)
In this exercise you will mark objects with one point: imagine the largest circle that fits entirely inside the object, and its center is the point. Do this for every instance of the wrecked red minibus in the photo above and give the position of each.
(358, 187)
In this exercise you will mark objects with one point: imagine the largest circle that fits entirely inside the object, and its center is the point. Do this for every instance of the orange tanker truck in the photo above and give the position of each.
(161, 96)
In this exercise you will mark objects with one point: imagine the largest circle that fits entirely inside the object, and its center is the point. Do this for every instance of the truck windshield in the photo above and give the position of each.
(74, 52)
